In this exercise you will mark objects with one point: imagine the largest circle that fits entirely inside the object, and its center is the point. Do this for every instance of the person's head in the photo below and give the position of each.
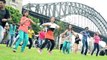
(77, 36)
(52, 19)
(25, 13)
(2, 3)
(69, 26)
(30, 28)
(42, 29)
(97, 33)
(86, 28)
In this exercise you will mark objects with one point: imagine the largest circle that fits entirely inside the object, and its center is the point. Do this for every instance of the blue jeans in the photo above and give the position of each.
(40, 41)
(96, 46)
(85, 45)
(11, 39)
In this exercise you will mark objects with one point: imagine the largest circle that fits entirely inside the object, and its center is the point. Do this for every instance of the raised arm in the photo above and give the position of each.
(22, 21)
(81, 32)
(61, 34)
(58, 27)
(32, 21)
(7, 16)
(73, 32)
(65, 32)
(89, 35)
(45, 24)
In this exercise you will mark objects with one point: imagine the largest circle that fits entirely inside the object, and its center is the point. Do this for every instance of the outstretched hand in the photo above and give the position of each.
(32, 21)
(4, 20)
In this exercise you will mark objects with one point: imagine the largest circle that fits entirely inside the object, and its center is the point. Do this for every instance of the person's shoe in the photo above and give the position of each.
(14, 50)
(85, 54)
(40, 51)
(50, 53)
(82, 53)
(96, 55)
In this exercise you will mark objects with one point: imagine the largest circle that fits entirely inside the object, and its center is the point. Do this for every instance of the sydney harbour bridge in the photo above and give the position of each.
(59, 10)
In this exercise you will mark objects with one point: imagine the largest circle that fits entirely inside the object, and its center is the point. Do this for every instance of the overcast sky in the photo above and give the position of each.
(99, 5)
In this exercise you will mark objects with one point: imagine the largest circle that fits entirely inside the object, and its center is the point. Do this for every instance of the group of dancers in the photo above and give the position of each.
(66, 41)
(25, 34)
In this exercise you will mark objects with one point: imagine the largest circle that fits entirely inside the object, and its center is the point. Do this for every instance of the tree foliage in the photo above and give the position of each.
(15, 14)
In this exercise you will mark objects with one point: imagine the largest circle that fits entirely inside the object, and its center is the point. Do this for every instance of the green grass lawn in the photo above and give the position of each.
(7, 54)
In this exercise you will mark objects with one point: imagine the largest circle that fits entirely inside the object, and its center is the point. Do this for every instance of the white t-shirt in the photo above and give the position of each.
(52, 25)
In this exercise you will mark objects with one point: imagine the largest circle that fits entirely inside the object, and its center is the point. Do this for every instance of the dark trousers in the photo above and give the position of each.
(61, 46)
(47, 42)
(96, 46)
(31, 43)
(106, 52)
(85, 45)
(48, 45)
(7, 43)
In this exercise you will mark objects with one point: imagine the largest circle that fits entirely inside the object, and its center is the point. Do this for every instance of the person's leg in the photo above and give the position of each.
(52, 45)
(8, 40)
(36, 43)
(5, 35)
(40, 42)
(68, 47)
(25, 42)
(30, 45)
(44, 44)
(106, 52)
(93, 49)
(76, 48)
(7, 43)
(11, 40)
(61, 46)
(97, 46)
(1, 34)
(86, 50)
(49, 45)
(64, 46)
(82, 51)
(21, 35)
(15, 39)
(90, 47)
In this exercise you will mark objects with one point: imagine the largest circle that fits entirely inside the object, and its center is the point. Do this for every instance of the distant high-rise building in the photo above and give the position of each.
(17, 4)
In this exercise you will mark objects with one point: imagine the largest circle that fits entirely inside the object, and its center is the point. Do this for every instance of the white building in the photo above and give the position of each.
(17, 4)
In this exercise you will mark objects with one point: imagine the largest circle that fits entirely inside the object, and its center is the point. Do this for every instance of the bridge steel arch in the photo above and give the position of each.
(62, 9)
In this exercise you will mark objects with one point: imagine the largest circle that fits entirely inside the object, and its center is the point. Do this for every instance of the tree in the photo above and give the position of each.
(15, 14)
